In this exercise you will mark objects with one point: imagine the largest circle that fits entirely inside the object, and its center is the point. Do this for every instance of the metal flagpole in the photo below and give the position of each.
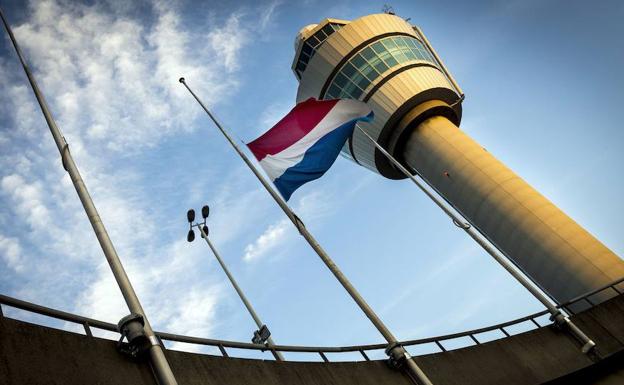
(158, 361)
(556, 314)
(395, 350)
(278, 355)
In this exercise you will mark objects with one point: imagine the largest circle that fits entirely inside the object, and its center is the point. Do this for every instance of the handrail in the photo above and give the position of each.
(89, 323)
(58, 314)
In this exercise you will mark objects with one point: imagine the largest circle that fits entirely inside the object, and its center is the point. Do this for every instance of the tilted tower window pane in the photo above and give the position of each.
(368, 53)
(390, 44)
(381, 67)
(401, 56)
(361, 82)
(401, 42)
(358, 61)
(313, 41)
(328, 30)
(378, 47)
(333, 92)
(385, 55)
(341, 80)
(357, 77)
(348, 70)
(312, 44)
(320, 35)
(391, 61)
(349, 89)
(411, 55)
(370, 73)
(304, 57)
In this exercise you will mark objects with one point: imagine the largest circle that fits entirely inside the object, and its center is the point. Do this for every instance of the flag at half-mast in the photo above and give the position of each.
(306, 142)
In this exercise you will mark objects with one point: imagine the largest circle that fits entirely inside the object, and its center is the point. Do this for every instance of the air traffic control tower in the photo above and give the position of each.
(389, 64)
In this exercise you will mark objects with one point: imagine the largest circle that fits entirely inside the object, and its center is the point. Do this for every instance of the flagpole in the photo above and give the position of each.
(278, 355)
(159, 363)
(395, 350)
(556, 314)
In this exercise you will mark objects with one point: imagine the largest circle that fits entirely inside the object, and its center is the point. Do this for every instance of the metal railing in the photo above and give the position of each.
(88, 323)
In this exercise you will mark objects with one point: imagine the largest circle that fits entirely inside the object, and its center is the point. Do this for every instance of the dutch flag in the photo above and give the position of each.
(306, 142)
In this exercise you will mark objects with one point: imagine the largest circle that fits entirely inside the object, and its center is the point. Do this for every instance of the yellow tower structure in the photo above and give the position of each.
(386, 62)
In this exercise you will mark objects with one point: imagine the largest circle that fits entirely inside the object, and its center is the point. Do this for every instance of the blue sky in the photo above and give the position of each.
(543, 88)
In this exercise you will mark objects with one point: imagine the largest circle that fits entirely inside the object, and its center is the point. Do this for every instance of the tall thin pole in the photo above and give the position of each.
(557, 315)
(278, 355)
(394, 350)
(158, 361)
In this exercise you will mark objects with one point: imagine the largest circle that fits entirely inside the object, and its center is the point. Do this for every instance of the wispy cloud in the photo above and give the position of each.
(229, 40)
(111, 81)
(267, 241)
(312, 207)
(268, 14)
(11, 253)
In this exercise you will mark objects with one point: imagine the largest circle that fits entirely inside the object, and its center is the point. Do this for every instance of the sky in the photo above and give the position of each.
(543, 88)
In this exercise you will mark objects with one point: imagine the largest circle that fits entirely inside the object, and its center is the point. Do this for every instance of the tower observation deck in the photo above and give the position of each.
(386, 62)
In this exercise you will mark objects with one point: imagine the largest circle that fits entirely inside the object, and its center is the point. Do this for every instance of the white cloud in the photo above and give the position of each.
(115, 80)
(310, 207)
(228, 41)
(268, 13)
(27, 196)
(11, 253)
(267, 241)
(111, 80)
(195, 312)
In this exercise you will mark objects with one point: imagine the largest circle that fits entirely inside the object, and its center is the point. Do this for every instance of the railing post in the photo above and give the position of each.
(87, 329)
(223, 352)
(277, 355)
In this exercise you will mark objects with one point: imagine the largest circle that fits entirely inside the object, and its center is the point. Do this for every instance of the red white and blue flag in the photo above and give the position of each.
(305, 143)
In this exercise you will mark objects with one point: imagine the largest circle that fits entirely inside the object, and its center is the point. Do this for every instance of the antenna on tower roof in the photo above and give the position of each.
(387, 9)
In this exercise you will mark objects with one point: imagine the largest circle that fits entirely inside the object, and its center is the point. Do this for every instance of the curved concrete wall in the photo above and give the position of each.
(31, 354)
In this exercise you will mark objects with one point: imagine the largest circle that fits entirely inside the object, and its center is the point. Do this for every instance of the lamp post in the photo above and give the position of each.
(260, 336)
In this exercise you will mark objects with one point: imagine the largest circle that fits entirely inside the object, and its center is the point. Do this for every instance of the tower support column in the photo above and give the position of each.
(552, 249)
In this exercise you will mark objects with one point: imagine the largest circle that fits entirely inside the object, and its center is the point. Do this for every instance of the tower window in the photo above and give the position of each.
(312, 43)
(371, 62)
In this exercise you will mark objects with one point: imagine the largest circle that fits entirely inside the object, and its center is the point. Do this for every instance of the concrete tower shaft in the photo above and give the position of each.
(389, 64)
(545, 243)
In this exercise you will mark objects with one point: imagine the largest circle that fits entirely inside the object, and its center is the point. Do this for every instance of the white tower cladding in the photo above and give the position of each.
(388, 63)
